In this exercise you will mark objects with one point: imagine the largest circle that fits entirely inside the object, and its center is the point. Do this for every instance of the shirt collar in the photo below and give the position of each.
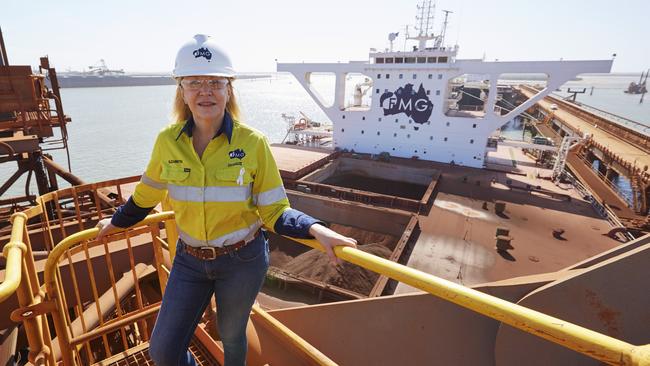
(226, 127)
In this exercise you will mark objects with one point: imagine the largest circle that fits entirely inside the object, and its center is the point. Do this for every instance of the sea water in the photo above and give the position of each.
(113, 129)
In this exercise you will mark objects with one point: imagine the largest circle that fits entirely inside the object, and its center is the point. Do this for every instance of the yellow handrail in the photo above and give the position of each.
(14, 251)
(593, 344)
(71, 240)
(50, 272)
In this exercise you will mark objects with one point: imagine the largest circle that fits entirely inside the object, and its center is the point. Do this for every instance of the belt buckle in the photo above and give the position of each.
(213, 250)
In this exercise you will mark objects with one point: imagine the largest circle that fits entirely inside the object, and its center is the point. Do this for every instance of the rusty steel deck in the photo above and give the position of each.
(296, 161)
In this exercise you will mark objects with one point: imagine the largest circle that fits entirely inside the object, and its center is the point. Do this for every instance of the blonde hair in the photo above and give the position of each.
(181, 112)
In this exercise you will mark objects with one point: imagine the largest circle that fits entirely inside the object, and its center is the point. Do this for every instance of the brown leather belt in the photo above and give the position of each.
(209, 253)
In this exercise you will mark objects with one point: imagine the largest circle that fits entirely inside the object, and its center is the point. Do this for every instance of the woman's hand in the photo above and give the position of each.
(329, 239)
(104, 227)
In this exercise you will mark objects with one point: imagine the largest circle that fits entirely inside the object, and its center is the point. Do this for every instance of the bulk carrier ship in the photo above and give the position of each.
(462, 260)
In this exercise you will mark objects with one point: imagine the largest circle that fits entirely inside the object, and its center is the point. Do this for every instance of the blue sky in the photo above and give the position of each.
(145, 35)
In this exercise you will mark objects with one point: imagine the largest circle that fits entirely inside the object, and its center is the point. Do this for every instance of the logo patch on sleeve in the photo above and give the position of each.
(238, 153)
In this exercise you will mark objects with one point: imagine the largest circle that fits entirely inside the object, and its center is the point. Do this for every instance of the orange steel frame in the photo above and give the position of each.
(26, 120)
(64, 292)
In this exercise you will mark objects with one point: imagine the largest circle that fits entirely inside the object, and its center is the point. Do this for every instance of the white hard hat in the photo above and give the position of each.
(202, 56)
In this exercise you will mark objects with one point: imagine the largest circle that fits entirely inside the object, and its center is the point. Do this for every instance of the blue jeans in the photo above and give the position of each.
(235, 279)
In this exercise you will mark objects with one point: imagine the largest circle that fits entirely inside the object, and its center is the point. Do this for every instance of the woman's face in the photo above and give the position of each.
(206, 96)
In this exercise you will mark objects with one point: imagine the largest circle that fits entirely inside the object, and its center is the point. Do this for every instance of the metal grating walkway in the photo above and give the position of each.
(139, 356)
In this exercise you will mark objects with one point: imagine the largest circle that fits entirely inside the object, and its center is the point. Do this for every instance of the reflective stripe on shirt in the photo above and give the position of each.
(152, 183)
(209, 194)
(234, 237)
(270, 197)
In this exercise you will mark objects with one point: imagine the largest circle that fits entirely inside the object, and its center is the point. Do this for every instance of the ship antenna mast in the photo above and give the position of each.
(406, 35)
(427, 10)
(441, 40)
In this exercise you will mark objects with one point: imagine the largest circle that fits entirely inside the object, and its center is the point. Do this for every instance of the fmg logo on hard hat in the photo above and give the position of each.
(404, 100)
(203, 52)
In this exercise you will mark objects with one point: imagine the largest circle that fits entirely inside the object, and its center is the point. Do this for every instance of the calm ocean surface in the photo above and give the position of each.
(113, 129)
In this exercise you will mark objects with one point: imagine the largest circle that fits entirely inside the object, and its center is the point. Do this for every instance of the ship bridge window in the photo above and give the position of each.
(430, 76)
(378, 76)
(415, 76)
(442, 59)
(410, 60)
(422, 60)
(389, 60)
(439, 76)
(387, 76)
(379, 60)
(401, 76)
(431, 60)
(399, 60)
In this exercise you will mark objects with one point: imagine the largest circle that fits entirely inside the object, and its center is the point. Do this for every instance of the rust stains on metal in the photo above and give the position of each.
(607, 316)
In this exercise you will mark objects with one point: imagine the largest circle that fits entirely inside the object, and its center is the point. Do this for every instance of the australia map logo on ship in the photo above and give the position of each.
(405, 100)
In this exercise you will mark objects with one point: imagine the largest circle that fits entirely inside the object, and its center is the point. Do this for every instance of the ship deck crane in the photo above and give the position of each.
(100, 68)
(360, 90)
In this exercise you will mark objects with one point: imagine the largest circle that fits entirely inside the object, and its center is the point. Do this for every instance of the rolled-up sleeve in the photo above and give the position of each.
(129, 214)
(296, 224)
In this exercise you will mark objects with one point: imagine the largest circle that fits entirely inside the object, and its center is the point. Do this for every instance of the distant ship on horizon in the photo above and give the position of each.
(99, 75)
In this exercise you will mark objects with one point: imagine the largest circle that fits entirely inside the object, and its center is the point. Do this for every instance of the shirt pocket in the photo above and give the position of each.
(238, 176)
(174, 173)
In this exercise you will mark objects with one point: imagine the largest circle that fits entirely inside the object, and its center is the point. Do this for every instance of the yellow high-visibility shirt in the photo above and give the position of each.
(221, 198)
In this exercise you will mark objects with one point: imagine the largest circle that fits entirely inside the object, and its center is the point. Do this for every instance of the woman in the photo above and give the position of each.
(224, 186)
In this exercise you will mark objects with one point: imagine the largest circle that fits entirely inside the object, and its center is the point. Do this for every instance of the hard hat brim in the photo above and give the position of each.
(203, 73)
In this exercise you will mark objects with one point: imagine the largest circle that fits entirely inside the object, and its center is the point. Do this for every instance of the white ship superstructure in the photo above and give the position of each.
(413, 109)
